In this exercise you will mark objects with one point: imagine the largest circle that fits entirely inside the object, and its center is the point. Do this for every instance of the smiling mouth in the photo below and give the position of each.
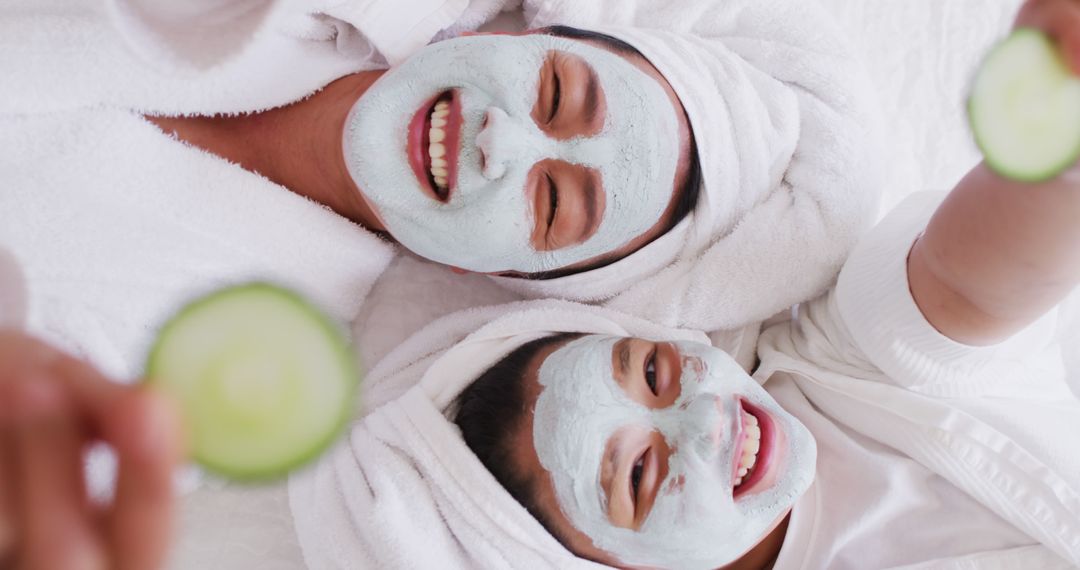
(434, 143)
(754, 453)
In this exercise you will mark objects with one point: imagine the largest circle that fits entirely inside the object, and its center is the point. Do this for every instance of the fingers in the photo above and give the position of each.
(57, 404)
(91, 393)
(1061, 20)
(55, 521)
(148, 447)
(8, 482)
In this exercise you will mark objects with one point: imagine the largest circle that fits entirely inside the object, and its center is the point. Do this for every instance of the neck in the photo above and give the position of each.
(765, 553)
(297, 146)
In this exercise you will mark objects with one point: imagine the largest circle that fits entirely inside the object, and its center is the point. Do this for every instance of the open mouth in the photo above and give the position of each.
(434, 144)
(754, 453)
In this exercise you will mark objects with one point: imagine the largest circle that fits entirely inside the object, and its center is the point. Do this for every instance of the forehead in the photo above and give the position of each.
(542, 488)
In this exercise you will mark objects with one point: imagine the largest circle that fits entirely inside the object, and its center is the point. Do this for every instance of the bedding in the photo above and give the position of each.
(921, 55)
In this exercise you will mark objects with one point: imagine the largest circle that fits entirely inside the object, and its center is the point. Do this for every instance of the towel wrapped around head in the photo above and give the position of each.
(403, 490)
(785, 127)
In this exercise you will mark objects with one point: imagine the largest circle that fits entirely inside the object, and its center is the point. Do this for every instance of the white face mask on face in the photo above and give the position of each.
(695, 522)
(486, 224)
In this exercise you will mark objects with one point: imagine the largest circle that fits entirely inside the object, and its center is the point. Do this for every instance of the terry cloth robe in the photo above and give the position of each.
(931, 454)
(116, 223)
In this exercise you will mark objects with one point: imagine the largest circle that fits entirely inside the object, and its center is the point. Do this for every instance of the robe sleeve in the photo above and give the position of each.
(195, 34)
(880, 318)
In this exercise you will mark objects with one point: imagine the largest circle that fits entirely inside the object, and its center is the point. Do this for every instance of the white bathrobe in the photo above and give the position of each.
(114, 224)
(931, 453)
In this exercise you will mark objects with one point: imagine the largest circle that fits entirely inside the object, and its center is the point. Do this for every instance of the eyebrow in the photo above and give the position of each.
(624, 356)
(607, 478)
(591, 192)
(592, 94)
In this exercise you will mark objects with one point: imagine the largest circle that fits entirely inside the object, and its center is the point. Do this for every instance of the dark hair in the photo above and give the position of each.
(615, 44)
(490, 411)
(687, 192)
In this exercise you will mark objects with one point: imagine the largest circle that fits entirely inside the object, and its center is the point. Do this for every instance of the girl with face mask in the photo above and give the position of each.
(270, 195)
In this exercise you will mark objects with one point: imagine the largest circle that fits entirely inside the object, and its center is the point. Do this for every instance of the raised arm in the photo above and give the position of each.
(999, 254)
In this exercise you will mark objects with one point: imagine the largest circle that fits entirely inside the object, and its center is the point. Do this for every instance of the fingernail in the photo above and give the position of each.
(163, 425)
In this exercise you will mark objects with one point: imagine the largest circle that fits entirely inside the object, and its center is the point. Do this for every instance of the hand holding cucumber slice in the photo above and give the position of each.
(1025, 109)
(263, 380)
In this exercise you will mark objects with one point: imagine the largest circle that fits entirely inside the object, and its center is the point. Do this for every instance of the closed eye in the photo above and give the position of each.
(635, 478)
(556, 94)
(553, 200)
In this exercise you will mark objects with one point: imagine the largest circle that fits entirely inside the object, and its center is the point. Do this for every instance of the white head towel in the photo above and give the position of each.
(786, 132)
(403, 490)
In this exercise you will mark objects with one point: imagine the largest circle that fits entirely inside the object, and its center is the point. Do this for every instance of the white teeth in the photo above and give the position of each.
(436, 147)
(751, 447)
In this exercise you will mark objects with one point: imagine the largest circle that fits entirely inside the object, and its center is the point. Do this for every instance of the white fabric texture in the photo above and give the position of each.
(931, 453)
(785, 124)
(116, 224)
(403, 490)
(66, 54)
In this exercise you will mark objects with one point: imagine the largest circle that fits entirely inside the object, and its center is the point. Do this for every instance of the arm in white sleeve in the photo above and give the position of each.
(189, 34)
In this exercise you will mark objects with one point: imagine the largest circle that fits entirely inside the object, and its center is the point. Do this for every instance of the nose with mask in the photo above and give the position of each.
(697, 520)
(486, 223)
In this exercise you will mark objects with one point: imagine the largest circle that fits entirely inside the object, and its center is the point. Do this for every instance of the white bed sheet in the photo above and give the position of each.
(921, 55)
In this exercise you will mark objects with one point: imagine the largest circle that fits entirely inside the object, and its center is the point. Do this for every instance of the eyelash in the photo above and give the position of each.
(556, 96)
(650, 372)
(635, 478)
(553, 200)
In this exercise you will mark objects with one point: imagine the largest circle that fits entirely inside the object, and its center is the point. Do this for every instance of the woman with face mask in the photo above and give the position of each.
(563, 164)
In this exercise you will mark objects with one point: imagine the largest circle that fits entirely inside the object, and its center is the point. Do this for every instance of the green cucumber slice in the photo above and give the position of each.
(1025, 109)
(263, 379)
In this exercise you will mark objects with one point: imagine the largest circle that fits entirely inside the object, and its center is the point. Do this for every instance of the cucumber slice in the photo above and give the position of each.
(263, 379)
(1025, 109)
